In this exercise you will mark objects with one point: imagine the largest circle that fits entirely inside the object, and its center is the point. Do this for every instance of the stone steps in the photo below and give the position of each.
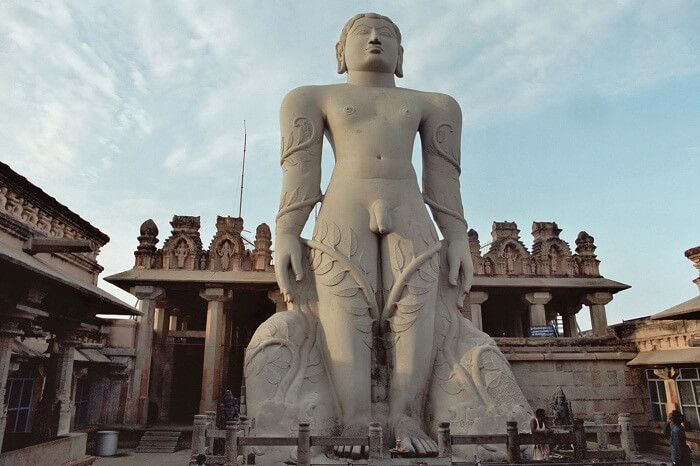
(159, 441)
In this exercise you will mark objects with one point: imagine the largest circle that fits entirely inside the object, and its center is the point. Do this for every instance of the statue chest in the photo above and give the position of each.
(384, 112)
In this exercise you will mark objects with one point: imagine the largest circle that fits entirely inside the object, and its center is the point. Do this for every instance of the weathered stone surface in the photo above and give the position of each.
(375, 331)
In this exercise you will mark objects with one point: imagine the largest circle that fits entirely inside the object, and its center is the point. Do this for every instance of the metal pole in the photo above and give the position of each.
(245, 141)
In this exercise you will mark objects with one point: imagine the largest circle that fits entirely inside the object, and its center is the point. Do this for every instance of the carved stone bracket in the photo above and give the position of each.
(216, 294)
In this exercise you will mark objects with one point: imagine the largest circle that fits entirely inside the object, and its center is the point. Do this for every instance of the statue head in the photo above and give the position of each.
(392, 33)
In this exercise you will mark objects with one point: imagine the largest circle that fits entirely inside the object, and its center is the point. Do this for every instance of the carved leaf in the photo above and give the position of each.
(399, 258)
(336, 236)
(316, 259)
(399, 325)
(435, 264)
(409, 308)
(451, 387)
(353, 242)
(427, 274)
(322, 230)
(326, 265)
(361, 310)
(418, 289)
(335, 279)
(347, 292)
(290, 140)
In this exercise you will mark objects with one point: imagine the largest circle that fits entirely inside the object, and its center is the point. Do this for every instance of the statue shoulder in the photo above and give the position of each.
(441, 103)
(306, 96)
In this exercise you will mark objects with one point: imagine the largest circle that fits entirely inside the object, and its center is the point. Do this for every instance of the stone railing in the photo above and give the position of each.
(236, 440)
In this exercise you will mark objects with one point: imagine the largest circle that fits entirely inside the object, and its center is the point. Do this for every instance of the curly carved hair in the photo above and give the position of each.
(340, 46)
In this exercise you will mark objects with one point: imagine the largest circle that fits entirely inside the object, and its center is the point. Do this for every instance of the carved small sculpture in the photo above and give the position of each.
(228, 410)
(561, 413)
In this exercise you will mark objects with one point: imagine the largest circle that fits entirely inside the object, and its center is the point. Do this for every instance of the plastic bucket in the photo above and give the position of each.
(107, 442)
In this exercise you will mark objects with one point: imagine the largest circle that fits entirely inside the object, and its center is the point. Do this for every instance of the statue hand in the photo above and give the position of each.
(287, 253)
(459, 261)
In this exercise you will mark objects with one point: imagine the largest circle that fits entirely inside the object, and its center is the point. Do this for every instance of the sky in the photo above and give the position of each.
(586, 113)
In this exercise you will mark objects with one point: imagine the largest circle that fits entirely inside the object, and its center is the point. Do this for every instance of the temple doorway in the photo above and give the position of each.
(187, 381)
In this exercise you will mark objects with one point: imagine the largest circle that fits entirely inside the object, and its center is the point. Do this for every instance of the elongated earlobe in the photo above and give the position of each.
(399, 64)
(340, 56)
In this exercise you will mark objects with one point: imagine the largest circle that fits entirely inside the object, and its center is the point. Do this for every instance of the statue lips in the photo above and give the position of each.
(373, 48)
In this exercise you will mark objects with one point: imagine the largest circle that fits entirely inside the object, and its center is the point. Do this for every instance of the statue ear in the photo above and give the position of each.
(399, 64)
(340, 56)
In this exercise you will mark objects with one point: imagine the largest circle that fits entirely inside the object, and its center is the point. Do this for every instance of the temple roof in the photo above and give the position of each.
(127, 279)
(686, 310)
(83, 293)
(30, 190)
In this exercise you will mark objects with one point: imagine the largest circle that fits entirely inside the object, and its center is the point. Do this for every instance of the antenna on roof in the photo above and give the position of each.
(245, 140)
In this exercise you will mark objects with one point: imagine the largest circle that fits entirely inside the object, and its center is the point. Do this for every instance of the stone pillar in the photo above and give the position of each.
(159, 390)
(626, 435)
(375, 440)
(536, 302)
(444, 440)
(8, 331)
(569, 318)
(56, 406)
(276, 297)
(596, 303)
(476, 299)
(137, 404)
(213, 346)
(603, 438)
(304, 445)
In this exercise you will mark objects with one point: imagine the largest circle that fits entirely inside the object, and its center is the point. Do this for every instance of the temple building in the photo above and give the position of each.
(201, 306)
(668, 351)
(55, 374)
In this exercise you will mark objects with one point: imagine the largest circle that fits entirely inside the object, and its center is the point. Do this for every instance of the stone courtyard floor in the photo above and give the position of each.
(127, 457)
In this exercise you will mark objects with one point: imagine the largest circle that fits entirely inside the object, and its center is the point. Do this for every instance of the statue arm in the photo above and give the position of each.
(301, 124)
(440, 133)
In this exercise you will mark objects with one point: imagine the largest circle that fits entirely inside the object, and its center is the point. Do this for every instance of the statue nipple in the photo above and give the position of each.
(379, 218)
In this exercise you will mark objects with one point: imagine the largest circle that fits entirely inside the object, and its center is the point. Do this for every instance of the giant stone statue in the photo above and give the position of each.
(374, 331)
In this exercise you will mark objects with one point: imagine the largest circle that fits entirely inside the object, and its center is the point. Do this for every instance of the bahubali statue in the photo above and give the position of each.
(374, 331)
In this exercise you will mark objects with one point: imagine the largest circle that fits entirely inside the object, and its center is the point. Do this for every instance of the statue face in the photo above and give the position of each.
(371, 46)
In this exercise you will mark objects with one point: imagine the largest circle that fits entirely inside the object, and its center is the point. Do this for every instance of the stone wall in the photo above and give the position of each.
(593, 377)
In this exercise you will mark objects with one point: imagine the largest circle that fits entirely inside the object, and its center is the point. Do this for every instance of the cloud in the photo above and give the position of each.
(516, 56)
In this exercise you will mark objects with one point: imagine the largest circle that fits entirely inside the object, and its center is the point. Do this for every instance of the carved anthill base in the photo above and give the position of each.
(472, 385)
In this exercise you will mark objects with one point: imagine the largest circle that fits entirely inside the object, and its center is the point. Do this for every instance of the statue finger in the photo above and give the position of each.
(454, 271)
(296, 267)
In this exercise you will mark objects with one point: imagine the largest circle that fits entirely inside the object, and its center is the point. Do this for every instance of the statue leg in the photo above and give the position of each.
(410, 278)
(344, 264)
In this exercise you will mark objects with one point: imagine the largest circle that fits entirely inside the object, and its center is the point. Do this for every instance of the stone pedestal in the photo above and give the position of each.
(596, 304)
(213, 346)
(476, 299)
(137, 404)
(536, 302)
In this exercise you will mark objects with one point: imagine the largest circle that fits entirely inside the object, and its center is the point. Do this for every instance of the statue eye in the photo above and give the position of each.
(385, 34)
(362, 31)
